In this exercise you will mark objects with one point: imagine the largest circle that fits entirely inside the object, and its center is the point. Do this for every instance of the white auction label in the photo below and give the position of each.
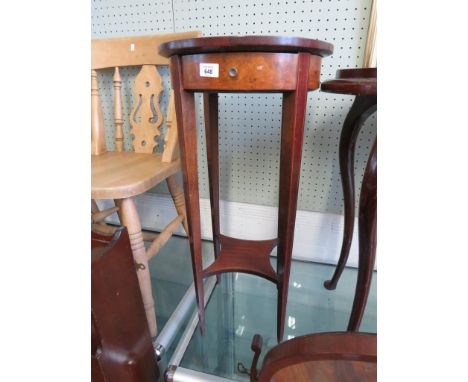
(209, 70)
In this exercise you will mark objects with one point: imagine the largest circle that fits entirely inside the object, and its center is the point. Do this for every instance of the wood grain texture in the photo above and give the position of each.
(292, 135)
(99, 216)
(315, 64)
(98, 129)
(178, 198)
(131, 220)
(265, 64)
(187, 131)
(247, 256)
(353, 81)
(171, 140)
(367, 239)
(210, 104)
(163, 237)
(121, 175)
(121, 347)
(245, 44)
(146, 117)
(362, 83)
(362, 108)
(132, 51)
(118, 118)
(330, 357)
(254, 71)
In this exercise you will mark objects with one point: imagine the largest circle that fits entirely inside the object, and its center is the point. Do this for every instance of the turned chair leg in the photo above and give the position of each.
(131, 220)
(178, 198)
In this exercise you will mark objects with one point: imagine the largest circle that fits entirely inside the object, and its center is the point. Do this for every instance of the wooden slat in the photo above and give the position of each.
(118, 119)
(164, 236)
(103, 228)
(370, 54)
(171, 143)
(146, 117)
(98, 139)
(132, 51)
(97, 217)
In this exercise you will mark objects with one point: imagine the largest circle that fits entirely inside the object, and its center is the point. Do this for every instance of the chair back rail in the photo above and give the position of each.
(146, 117)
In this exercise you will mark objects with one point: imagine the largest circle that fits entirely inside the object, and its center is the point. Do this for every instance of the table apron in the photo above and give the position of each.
(246, 71)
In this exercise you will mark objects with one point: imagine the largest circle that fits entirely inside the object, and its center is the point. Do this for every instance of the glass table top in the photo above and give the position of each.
(243, 305)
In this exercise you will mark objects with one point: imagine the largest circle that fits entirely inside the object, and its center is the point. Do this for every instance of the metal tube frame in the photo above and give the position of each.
(174, 372)
(165, 338)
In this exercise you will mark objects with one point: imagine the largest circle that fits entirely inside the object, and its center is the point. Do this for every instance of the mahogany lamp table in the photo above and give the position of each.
(259, 64)
(363, 84)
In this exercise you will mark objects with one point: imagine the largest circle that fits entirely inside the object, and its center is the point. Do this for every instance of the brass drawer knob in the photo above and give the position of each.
(232, 72)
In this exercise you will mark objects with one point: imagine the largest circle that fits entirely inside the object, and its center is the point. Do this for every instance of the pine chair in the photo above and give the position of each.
(121, 175)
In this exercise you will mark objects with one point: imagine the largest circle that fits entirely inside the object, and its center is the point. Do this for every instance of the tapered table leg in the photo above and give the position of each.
(210, 105)
(367, 239)
(292, 134)
(187, 132)
(361, 109)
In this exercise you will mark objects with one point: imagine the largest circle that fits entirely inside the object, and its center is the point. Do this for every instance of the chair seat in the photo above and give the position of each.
(118, 175)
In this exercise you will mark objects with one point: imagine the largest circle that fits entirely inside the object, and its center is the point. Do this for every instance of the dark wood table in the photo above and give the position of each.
(212, 65)
(363, 84)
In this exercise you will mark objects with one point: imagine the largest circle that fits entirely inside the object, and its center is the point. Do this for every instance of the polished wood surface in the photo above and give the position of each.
(256, 64)
(241, 71)
(325, 357)
(362, 83)
(121, 347)
(210, 105)
(121, 175)
(222, 44)
(362, 108)
(292, 135)
(367, 239)
(187, 130)
(248, 256)
(353, 81)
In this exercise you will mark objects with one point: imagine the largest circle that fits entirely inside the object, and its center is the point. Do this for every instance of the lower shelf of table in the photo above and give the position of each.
(246, 256)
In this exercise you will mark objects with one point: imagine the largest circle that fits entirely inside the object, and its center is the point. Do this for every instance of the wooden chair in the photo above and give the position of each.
(121, 175)
(324, 357)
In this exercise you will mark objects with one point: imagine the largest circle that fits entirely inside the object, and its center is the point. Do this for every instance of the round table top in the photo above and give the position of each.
(279, 44)
(353, 81)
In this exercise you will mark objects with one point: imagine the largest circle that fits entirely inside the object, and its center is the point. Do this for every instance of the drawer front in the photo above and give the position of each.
(246, 71)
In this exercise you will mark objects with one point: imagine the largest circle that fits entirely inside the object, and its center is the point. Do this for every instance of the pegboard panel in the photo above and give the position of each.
(250, 123)
(117, 18)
